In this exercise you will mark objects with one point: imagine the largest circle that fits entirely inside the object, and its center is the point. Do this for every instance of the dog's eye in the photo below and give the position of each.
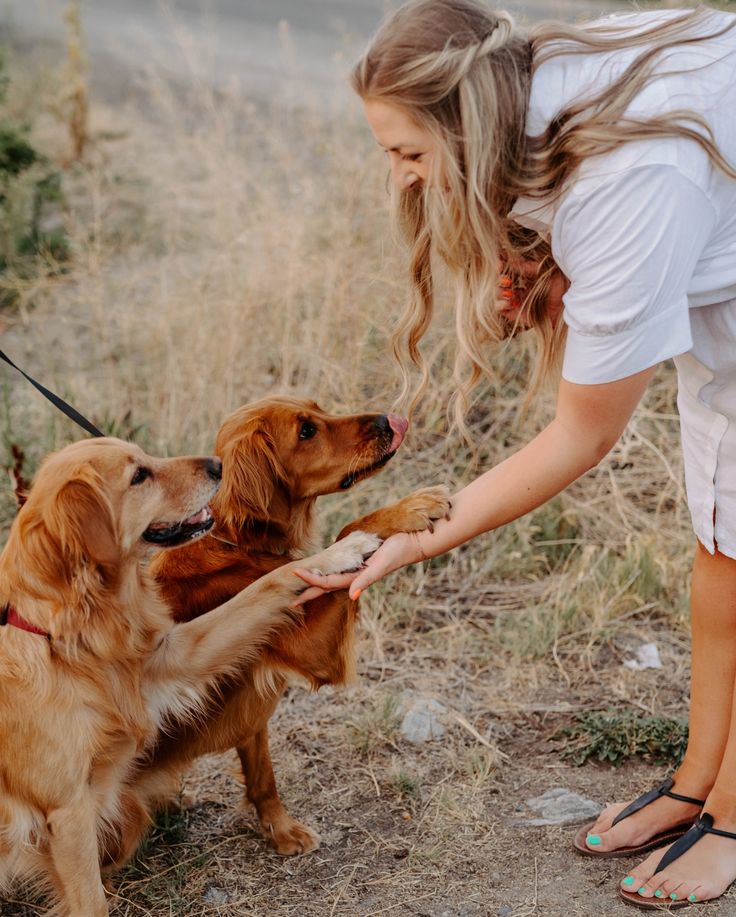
(141, 474)
(307, 430)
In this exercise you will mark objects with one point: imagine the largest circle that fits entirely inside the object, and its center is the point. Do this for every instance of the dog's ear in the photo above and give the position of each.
(251, 476)
(80, 518)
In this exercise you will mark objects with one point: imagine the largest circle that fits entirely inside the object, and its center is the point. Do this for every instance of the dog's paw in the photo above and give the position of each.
(346, 555)
(420, 510)
(289, 837)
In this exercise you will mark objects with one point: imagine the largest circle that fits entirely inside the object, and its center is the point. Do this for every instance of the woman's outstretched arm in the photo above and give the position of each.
(588, 421)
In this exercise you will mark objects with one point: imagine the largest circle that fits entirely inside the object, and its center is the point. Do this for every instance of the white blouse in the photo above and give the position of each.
(647, 237)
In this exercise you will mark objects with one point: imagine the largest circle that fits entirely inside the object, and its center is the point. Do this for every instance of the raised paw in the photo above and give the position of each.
(344, 556)
(419, 510)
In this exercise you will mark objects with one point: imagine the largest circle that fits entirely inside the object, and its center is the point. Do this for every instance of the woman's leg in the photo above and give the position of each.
(708, 868)
(713, 612)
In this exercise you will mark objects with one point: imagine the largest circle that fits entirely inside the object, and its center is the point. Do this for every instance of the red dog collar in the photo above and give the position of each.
(10, 616)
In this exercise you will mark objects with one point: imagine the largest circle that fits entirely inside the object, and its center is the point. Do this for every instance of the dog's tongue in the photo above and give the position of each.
(202, 516)
(197, 519)
(399, 425)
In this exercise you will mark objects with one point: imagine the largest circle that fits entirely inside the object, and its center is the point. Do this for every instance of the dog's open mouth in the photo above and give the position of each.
(168, 534)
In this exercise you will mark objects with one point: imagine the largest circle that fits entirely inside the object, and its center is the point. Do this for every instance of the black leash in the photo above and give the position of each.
(59, 403)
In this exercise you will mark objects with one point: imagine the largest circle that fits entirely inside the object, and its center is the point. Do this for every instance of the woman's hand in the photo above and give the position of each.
(516, 285)
(396, 551)
(588, 421)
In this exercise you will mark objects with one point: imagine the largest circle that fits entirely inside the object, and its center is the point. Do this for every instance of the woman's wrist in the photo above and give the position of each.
(420, 552)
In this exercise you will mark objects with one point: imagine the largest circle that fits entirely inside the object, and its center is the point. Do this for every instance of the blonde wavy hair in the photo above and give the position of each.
(464, 73)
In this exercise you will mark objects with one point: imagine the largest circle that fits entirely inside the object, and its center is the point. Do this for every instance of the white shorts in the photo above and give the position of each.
(707, 404)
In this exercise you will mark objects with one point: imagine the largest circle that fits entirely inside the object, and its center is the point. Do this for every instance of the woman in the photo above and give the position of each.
(595, 169)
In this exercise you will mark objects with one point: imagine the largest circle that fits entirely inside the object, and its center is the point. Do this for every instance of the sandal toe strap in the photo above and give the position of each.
(664, 789)
(704, 825)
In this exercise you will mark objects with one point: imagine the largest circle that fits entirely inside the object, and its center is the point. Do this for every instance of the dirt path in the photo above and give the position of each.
(404, 832)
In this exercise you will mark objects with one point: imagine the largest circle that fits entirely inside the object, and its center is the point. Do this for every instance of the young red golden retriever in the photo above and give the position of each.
(92, 666)
(278, 455)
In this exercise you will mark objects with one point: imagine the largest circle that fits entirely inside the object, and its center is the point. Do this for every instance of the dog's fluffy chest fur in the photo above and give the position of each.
(78, 712)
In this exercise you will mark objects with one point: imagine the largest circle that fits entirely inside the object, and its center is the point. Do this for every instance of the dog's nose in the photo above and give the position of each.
(213, 467)
(382, 424)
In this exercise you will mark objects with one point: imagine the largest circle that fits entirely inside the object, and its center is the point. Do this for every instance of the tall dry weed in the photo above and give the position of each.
(75, 94)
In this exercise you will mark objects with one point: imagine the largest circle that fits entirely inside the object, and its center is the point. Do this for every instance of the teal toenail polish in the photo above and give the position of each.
(641, 890)
(629, 880)
(692, 897)
(593, 840)
(674, 896)
(658, 893)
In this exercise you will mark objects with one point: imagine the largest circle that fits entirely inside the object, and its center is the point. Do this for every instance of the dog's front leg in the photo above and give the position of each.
(72, 832)
(287, 835)
(197, 652)
(414, 513)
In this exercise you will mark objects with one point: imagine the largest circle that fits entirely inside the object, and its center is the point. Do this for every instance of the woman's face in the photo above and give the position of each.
(409, 147)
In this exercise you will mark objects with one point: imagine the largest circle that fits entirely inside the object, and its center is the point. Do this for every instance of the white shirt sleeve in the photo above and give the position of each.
(629, 244)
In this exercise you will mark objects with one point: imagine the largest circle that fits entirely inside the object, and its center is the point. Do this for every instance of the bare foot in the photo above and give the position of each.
(701, 873)
(663, 814)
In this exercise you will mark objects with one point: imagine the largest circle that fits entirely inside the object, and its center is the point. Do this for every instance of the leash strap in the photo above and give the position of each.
(59, 403)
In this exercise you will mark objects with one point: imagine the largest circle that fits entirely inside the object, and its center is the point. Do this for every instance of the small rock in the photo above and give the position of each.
(423, 720)
(505, 911)
(647, 657)
(214, 895)
(559, 806)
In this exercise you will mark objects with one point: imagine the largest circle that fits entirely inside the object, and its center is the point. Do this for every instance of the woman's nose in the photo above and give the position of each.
(402, 175)
(410, 179)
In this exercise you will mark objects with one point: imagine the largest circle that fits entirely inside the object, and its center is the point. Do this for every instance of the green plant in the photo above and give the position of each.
(376, 726)
(122, 427)
(163, 862)
(408, 785)
(612, 737)
(31, 236)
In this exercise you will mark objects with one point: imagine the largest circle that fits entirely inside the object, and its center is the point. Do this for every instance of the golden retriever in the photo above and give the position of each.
(279, 455)
(92, 666)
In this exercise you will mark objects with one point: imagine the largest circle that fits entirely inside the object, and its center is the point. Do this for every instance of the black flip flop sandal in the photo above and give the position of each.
(704, 825)
(659, 840)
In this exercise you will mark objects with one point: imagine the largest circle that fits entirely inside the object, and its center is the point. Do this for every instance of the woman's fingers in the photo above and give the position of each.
(319, 584)
(396, 551)
(364, 579)
(508, 307)
(327, 582)
(511, 299)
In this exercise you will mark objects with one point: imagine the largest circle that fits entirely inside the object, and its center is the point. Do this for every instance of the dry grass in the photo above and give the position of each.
(223, 250)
